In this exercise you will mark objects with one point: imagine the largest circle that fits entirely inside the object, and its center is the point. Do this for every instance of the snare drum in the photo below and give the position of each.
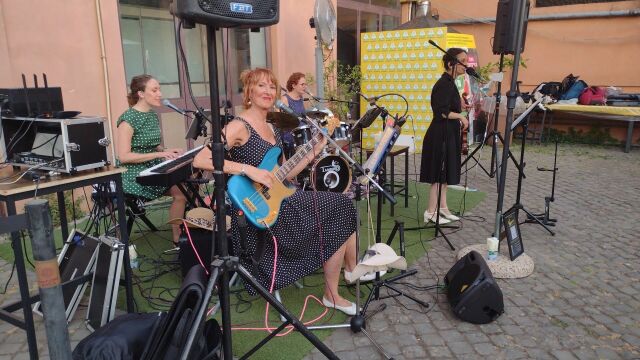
(301, 135)
(342, 134)
(331, 173)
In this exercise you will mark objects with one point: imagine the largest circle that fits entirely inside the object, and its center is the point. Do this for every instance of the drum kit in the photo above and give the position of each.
(329, 171)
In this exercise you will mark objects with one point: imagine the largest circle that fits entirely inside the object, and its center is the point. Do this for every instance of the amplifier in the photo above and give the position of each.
(62, 145)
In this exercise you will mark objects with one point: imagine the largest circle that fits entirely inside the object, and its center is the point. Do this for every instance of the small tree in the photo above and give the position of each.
(341, 82)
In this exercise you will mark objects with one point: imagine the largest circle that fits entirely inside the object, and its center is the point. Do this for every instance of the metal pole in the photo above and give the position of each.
(319, 68)
(48, 275)
(511, 104)
(217, 151)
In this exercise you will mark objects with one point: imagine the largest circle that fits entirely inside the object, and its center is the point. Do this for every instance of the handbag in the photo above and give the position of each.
(593, 95)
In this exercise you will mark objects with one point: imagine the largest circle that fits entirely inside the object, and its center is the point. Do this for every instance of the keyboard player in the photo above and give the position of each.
(138, 145)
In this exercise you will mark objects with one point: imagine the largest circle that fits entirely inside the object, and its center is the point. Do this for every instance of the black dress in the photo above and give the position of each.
(304, 243)
(445, 98)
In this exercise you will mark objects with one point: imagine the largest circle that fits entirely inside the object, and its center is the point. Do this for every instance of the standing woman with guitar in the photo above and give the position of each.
(313, 229)
(441, 148)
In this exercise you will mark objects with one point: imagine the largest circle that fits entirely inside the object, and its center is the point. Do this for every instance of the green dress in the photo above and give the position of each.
(145, 140)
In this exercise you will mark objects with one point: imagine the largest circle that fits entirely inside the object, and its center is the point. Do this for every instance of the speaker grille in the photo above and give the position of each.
(261, 9)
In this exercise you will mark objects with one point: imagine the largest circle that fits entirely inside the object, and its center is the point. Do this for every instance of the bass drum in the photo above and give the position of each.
(331, 173)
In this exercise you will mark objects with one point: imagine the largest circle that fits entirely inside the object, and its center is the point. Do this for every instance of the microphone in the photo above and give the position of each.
(284, 108)
(472, 72)
(469, 70)
(310, 94)
(168, 104)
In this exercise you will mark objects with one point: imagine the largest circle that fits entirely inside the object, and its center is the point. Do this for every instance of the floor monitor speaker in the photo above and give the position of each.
(227, 13)
(472, 291)
(506, 34)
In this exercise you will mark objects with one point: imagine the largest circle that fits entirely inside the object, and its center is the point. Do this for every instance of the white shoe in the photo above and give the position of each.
(431, 217)
(448, 215)
(349, 310)
(364, 278)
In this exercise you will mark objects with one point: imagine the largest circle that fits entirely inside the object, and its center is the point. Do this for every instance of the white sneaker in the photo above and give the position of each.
(431, 217)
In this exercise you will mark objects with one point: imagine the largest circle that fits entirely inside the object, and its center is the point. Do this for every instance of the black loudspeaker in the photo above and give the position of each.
(202, 242)
(472, 291)
(505, 35)
(227, 13)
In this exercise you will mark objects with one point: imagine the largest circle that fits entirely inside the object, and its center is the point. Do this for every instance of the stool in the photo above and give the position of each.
(393, 188)
(135, 210)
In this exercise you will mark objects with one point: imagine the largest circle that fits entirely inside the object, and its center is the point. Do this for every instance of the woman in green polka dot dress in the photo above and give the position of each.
(138, 140)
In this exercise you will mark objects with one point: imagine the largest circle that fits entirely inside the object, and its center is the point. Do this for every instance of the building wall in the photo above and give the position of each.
(602, 51)
(293, 40)
(62, 39)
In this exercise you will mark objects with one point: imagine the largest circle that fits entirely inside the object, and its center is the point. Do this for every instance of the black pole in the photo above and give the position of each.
(217, 152)
(525, 128)
(496, 113)
(511, 104)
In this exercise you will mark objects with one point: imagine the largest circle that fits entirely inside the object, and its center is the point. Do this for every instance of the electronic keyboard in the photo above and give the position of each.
(169, 172)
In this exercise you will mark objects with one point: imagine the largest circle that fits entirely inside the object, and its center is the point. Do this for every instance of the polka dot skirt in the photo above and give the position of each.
(311, 225)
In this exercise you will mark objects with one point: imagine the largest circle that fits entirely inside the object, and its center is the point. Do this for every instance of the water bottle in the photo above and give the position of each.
(492, 248)
(133, 257)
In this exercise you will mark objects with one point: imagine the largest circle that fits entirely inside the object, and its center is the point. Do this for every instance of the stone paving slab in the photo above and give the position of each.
(581, 302)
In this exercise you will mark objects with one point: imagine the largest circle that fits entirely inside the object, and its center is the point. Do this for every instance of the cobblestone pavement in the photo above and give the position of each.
(581, 302)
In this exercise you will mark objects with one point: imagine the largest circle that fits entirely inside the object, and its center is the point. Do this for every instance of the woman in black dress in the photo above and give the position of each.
(314, 229)
(444, 133)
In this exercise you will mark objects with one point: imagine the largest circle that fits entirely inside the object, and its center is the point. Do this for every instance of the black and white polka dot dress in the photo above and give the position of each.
(311, 225)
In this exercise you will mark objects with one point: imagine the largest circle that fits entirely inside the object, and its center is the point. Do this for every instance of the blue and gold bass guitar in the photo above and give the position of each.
(259, 203)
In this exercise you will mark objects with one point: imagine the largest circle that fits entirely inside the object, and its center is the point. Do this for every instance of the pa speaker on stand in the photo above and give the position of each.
(226, 13)
(472, 291)
(506, 34)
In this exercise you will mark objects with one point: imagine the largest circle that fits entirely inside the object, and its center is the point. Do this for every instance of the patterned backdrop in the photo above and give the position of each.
(403, 61)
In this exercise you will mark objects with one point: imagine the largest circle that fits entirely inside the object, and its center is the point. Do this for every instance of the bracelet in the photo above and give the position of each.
(242, 171)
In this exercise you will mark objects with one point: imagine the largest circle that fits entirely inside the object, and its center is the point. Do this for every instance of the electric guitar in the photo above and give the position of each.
(260, 204)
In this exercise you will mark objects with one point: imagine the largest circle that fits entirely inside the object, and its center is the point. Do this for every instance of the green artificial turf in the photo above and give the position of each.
(157, 280)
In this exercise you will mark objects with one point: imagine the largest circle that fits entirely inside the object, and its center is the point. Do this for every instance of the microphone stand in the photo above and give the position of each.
(358, 321)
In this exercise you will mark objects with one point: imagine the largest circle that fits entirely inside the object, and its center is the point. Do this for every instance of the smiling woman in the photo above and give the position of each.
(313, 229)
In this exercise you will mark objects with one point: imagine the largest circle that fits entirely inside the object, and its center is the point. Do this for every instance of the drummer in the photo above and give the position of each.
(293, 98)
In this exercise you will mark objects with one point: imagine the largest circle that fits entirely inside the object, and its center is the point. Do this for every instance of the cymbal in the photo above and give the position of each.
(282, 120)
(316, 114)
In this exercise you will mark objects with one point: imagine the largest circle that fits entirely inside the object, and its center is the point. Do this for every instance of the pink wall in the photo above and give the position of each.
(62, 39)
(293, 40)
(602, 51)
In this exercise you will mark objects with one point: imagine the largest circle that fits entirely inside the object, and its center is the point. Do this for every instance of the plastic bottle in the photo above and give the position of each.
(133, 257)
(492, 248)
